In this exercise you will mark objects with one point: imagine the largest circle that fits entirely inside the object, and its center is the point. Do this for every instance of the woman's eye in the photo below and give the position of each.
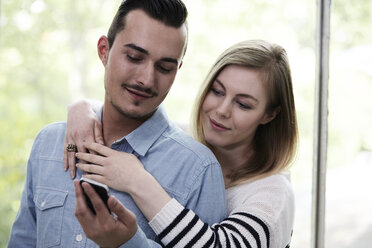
(216, 92)
(244, 106)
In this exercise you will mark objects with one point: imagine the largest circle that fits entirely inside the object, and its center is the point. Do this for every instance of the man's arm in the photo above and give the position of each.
(103, 228)
(208, 196)
(23, 233)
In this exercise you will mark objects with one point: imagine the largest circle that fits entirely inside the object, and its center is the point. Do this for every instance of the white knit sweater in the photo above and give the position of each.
(261, 214)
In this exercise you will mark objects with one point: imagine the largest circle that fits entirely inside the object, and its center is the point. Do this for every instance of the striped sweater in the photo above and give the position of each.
(261, 214)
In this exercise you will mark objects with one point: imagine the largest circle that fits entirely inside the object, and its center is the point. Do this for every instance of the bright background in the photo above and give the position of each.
(48, 59)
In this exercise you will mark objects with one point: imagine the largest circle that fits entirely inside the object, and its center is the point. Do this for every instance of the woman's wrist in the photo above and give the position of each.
(148, 194)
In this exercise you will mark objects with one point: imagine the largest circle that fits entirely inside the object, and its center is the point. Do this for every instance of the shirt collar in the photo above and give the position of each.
(144, 136)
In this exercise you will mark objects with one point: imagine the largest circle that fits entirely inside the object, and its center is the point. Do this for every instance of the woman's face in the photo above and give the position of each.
(234, 107)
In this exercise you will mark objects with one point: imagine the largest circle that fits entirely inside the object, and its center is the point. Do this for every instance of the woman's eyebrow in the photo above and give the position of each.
(220, 83)
(238, 95)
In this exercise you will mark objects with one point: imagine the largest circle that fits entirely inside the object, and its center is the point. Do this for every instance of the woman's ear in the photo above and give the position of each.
(103, 49)
(270, 115)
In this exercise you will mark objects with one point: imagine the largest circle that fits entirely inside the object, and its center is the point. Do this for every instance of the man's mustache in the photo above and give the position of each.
(139, 88)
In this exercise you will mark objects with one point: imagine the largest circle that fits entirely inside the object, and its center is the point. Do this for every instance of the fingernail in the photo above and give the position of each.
(77, 165)
(72, 174)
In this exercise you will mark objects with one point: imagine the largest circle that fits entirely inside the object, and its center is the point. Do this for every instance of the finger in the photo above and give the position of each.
(81, 147)
(65, 154)
(91, 158)
(71, 159)
(93, 152)
(65, 162)
(82, 212)
(100, 149)
(91, 168)
(98, 205)
(98, 178)
(124, 215)
(98, 132)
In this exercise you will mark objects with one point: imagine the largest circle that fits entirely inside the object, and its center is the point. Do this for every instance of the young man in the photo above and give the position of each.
(141, 55)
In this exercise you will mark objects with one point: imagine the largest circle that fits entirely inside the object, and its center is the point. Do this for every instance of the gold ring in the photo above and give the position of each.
(71, 148)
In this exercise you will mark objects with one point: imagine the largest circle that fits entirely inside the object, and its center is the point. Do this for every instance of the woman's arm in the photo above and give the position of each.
(263, 217)
(177, 226)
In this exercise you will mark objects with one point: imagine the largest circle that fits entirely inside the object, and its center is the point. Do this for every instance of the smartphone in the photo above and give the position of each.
(101, 189)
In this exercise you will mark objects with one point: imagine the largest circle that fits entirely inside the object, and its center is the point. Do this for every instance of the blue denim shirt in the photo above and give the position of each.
(187, 170)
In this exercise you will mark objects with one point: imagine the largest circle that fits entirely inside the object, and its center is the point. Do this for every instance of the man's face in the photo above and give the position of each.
(141, 65)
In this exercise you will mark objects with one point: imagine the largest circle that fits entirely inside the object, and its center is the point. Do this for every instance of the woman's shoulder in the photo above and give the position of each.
(269, 199)
(276, 182)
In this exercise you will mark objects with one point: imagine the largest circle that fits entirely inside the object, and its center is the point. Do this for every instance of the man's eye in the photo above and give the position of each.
(134, 59)
(164, 69)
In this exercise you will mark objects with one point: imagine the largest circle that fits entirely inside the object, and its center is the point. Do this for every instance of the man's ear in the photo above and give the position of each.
(270, 115)
(103, 49)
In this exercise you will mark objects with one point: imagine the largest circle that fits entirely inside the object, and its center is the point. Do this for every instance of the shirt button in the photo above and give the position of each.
(43, 204)
(79, 237)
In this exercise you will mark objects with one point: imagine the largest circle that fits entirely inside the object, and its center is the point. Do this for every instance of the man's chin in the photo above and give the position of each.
(137, 114)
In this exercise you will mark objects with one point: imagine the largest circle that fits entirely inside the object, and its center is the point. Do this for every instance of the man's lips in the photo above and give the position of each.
(218, 126)
(139, 93)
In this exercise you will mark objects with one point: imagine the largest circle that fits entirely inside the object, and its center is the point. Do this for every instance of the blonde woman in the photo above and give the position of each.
(245, 113)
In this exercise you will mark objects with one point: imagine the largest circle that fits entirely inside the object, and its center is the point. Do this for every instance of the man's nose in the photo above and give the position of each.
(146, 75)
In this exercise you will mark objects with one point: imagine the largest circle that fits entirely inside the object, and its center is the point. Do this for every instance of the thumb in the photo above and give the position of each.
(98, 132)
(124, 215)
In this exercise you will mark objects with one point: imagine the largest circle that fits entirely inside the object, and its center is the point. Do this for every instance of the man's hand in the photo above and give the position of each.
(103, 228)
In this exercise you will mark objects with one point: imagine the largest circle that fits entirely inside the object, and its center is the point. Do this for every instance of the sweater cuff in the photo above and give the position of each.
(166, 216)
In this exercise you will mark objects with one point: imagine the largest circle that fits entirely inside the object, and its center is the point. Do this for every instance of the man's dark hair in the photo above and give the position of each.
(172, 13)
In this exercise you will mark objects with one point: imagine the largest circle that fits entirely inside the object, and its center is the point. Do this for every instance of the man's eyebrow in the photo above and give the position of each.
(139, 49)
(170, 60)
(238, 95)
(144, 51)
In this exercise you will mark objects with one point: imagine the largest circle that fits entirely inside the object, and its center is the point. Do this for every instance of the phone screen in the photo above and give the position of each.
(100, 188)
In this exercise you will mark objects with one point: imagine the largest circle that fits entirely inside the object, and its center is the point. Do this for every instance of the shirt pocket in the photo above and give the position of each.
(49, 204)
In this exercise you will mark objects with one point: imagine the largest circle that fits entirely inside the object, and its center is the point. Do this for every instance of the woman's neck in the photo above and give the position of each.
(231, 159)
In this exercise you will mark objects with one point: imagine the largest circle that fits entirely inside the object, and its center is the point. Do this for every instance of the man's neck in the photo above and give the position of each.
(116, 125)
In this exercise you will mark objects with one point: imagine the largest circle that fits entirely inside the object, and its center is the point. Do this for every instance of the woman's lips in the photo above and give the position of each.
(218, 126)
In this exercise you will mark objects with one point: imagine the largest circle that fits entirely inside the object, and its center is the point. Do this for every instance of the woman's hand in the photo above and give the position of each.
(124, 172)
(119, 170)
(82, 127)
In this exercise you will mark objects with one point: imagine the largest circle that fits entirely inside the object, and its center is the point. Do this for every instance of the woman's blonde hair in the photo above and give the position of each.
(274, 144)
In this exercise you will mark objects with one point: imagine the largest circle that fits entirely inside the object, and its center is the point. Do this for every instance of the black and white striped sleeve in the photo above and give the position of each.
(177, 226)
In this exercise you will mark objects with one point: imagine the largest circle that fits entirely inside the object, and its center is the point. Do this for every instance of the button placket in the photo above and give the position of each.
(79, 238)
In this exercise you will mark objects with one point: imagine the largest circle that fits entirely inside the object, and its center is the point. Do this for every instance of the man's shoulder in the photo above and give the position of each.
(49, 140)
(181, 141)
(52, 131)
